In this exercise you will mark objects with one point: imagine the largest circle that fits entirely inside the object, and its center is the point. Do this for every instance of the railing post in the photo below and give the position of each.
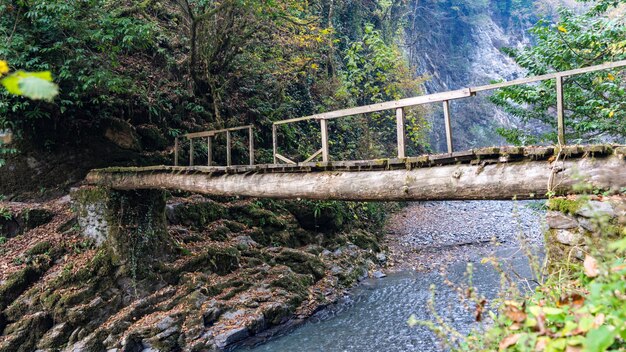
(401, 133)
(446, 117)
(274, 143)
(325, 152)
(251, 145)
(228, 151)
(176, 151)
(190, 151)
(209, 145)
(560, 110)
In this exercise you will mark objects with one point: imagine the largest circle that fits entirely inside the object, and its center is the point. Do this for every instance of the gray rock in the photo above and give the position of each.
(336, 270)
(381, 257)
(165, 323)
(326, 253)
(567, 237)
(557, 220)
(379, 274)
(588, 225)
(231, 336)
(596, 209)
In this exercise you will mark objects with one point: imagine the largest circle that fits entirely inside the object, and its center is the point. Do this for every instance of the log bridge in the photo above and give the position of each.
(487, 173)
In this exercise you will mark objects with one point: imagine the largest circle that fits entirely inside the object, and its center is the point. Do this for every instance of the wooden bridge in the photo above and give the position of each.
(485, 173)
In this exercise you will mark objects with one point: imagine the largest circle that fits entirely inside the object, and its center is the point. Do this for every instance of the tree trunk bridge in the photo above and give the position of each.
(486, 173)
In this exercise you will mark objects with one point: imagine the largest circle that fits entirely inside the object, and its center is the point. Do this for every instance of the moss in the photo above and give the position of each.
(199, 214)
(34, 218)
(19, 281)
(301, 262)
(364, 240)
(90, 195)
(40, 248)
(223, 261)
(220, 233)
(566, 206)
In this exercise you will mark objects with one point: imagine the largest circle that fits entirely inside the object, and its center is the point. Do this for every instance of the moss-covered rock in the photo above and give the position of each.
(315, 217)
(301, 262)
(566, 206)
(364, 240)
(223, 261)
(196, 214)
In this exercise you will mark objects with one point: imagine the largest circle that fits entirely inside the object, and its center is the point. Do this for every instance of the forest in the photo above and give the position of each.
(90, 84)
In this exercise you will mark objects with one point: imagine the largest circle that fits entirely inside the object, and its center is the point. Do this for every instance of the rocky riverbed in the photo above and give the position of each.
(429, 244)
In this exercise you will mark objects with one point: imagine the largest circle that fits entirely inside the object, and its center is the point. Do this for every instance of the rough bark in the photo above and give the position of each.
(521, 180)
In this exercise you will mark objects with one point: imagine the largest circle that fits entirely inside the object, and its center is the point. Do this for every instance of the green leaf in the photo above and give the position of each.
(37, 88)
(598, 340)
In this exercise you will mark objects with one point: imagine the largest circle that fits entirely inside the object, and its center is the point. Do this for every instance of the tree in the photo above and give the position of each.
(595, 103)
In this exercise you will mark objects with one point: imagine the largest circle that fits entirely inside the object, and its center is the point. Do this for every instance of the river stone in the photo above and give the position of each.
(381, 257)
(557, 220)
(596, 209)
(379, 274)
(567, 237)
(231, 336)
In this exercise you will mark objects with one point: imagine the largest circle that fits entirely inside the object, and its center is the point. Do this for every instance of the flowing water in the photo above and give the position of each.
(374, 317)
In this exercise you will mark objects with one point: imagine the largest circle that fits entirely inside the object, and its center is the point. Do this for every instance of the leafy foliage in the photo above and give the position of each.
(594, 102)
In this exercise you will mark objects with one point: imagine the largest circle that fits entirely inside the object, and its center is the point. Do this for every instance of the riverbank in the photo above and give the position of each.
(428, 243)
(239, 268)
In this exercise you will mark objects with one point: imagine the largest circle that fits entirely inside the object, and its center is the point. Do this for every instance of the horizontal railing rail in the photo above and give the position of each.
(399, 105)
(210, 135)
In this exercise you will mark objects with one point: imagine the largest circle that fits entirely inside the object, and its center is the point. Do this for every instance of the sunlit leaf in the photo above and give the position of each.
(38, 89)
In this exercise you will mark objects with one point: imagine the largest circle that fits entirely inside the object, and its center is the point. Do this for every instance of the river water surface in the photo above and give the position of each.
(374, 317)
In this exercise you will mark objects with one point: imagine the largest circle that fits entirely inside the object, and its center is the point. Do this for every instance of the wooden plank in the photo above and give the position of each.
(560, 108)
(214, 132)
(315, 155)
(284, 159)
(401, 135)
(517, 82)
(176, 151)
(251, 145)
(209, 145)
(403, 103)
(229, 156)
(274, 143)
(325, 151)
(191, 152)
(446, 117)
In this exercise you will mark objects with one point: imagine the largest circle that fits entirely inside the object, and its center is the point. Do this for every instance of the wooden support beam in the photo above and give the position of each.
(315, 155)
(325, 149)
(229, 142)
(401, 135)
(191, 152)
(446, 116)
(523, 180)
(209, 146)
(560, 110)
(274, 143)
(285, 159)
(176, 151)
(251, 145)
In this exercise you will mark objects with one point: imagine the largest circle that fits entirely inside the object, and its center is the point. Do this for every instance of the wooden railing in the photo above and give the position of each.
(210, 135)
(399, 106)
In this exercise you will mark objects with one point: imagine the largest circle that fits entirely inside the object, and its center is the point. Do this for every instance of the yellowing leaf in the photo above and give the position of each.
(315, 66)
(562, 29)
(4, 67)
(611, 114)
(610, 77)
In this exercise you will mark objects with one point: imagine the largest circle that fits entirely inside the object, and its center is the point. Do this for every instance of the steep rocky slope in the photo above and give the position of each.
(241, 267)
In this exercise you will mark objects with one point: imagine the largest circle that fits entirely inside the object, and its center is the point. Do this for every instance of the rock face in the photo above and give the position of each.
(215, 274)
(576, 224)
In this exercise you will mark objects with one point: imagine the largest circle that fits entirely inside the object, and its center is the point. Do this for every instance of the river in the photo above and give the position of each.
(374, 317)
